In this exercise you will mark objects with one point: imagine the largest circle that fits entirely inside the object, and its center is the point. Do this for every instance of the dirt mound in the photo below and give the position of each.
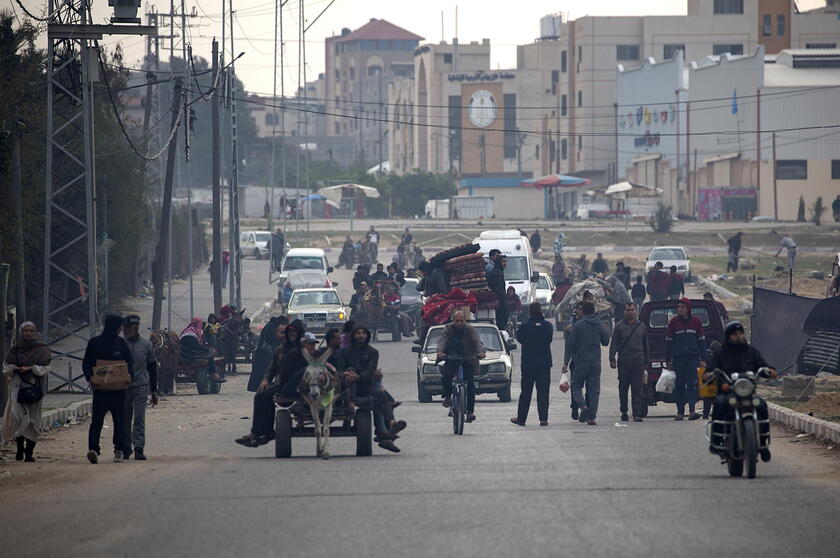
(823, 404)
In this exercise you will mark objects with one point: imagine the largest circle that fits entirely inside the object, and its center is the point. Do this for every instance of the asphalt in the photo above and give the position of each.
(649, 489)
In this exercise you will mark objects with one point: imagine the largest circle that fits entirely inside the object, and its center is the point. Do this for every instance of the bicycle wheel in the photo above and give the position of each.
(460, 413)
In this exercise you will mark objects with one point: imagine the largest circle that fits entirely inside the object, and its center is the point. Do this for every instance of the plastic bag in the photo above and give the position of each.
(667, 381)
(564, 382)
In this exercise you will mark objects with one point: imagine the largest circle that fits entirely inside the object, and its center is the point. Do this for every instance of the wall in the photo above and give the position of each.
(514, 202)
(819, 183)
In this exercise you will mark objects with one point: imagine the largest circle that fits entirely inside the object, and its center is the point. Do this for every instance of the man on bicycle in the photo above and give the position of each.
(460, 340)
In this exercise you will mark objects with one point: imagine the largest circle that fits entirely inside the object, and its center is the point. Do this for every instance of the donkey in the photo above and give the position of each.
(319, 388)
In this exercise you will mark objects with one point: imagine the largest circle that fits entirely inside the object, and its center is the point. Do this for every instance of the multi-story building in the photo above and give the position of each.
(358, 67)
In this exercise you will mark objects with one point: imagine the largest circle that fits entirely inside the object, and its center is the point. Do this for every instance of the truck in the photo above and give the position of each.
(520, 272)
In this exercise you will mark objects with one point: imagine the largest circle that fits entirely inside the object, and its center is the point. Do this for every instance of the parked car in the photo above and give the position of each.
(312, 259)
(656, 315)
(545, 288)
(255, 243)
(302, 279)
(670, 255)
(318, 309)
(495, 370)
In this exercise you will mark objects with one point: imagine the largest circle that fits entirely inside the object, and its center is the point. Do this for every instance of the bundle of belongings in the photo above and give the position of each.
(575, 295)
(439, 308)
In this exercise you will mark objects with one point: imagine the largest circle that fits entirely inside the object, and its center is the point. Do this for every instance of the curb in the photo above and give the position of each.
(820, 428)
(69, 413)
(719, 290)
(257, 316)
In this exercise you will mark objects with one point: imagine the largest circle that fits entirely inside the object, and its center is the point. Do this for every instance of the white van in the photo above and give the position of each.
(304, 258)
(520, 272)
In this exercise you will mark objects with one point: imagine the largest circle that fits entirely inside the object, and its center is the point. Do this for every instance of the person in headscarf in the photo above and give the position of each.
(194, 349)
(27, 364)
(268, 341)
(107, 346)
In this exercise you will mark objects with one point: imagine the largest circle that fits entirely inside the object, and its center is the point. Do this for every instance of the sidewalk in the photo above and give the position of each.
(256, 291)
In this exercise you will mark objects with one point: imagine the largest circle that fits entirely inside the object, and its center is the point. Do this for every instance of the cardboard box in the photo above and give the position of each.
(110, 375)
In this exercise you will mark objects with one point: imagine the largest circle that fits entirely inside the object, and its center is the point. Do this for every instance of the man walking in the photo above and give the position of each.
(630, 344)
(536, 242)
(584, 348)
(658, 282)
(685, 350)
(143, 383)
(676, 284)
(278, 248)
(835, 208)
(600, 265)
(496, 282)
(535, 336)
(788, 244)
(734, 244)
(107, 346)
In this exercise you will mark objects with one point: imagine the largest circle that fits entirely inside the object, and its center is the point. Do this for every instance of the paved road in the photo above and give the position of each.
(649, 489)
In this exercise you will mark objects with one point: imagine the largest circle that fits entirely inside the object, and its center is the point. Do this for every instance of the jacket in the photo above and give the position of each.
(585, 340)
(685, 337)
(736, 357)
(535, 336)
(360, 277)
(658, 282)
(496, 281)
(360, 358)
(638, 291)
(676, 286)
(599, 265)
(107, 346)
(472, 343)
(632, 341)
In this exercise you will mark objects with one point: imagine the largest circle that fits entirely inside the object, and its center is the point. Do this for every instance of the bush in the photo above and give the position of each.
(816, 211)
(662, 220)
(800, 215)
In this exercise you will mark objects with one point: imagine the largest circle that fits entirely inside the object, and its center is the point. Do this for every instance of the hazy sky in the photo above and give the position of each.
(505, 23)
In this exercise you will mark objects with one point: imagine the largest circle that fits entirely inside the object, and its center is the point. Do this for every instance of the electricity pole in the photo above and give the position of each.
(216, 266)
(20, 279)
(233, 200)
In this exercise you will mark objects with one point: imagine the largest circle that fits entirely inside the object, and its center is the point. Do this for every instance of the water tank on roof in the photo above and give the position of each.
(550, 26)
(345, 31)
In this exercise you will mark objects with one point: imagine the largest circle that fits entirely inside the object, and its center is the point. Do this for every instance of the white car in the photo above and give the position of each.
(313, 259)
(495, 369)
(670, 255)
(255, 243)
(318, 309)
(545, 288)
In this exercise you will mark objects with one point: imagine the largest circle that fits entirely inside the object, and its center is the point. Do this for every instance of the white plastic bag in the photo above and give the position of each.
(564, 382)
(667, 381)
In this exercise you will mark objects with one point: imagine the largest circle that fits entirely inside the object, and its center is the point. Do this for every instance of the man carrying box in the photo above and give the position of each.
(107, 366)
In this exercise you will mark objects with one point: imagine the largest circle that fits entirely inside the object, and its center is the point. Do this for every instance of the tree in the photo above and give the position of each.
(817, 210)
(662, 220)
(800, 215)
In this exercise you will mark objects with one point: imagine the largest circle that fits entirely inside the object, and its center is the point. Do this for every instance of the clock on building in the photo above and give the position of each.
(482, 108)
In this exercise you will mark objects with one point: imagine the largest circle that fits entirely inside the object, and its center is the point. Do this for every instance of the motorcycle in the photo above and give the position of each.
(739, 441)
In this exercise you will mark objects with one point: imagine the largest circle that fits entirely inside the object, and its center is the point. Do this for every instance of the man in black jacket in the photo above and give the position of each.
(535, 336)
(737, 355)
(107, 346)
(584, 348)
(496, 282)
(358, 365)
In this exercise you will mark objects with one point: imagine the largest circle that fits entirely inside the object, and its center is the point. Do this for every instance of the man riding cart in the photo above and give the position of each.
(589, 290)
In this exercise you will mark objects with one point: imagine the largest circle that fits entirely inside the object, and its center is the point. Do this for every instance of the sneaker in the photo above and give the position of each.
(93, 457)
(584, 412)
(543, 423)
(637, 419)
(765, 454)
(389, 445)
(139, 455)
(575, 414)
(517, 422)
(470, 418)
(127, 454)
(591, 422)
(397, 427)
(118, 456)
(693, 416)
(447, 402)
(624, 417)
(679, 417)
(705, 417)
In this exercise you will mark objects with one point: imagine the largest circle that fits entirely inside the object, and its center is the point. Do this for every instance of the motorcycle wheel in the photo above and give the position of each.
(751, 448)
(735, 467)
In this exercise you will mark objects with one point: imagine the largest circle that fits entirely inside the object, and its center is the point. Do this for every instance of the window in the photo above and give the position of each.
(729, 6)
(580, 99)
(337, 75)
(767, 25)
(627, 52)
(719, 50)
(580, 143)
(563, 62)
(564, 149)
(780, 25)
(564, 105)
(447, 58)
(510, 138)
(352, 72)
(835, 169)
(537, 152)
(660, 317)
(791, 169)
(820, 45)
(670, 51)
(555, 79)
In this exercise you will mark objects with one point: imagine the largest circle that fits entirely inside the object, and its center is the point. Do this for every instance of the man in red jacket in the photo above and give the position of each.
(685, 350)
(658, 282)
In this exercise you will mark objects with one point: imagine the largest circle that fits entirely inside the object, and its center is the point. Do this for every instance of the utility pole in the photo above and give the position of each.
(775, 191)
(188, 122)
(233, 203)
(216, 267)
(162, 251)
(20, 279)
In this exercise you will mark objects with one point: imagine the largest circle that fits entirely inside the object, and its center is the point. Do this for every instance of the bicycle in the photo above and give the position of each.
(458, 408)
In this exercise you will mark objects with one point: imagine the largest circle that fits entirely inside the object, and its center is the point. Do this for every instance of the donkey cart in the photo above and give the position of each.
(296, 421)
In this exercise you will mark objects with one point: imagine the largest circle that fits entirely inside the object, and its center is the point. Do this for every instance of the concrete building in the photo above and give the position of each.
(748, 136)
(359, 65)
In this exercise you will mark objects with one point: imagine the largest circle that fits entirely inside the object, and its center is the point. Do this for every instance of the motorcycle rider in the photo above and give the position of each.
(460, 339)
(737, 355)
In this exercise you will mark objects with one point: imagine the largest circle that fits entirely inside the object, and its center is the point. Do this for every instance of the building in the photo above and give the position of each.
(747, 136)
(359, 66)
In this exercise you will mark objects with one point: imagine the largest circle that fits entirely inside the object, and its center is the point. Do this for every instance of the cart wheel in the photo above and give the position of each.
(504, 394)
(203, 381)
(283, 434)
(364, 433)
(395, 330)
(423, 396)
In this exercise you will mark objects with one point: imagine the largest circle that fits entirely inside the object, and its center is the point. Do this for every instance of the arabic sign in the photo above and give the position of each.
(481, 76)
(647, 140)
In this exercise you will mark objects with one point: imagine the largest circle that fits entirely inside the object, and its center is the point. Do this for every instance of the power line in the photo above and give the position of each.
(30, 15)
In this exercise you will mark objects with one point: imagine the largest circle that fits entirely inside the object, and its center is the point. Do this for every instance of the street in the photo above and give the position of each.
(649, 489)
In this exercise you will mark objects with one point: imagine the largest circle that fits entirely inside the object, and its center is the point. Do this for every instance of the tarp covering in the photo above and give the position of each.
(777, 325)
(825, 315)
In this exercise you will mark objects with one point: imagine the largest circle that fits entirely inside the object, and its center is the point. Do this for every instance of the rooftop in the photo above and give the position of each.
(378, 29)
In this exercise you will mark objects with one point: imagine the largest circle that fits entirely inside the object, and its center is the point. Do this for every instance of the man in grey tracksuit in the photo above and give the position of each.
(630, 343)
(143, 383)
(584, 348)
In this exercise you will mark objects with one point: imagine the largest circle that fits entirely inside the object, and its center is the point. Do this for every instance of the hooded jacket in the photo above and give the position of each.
(108, 345)
(685, 336)
(496, 280)
(585, 340)
(736, 357)
(535, 336)
(361, 358)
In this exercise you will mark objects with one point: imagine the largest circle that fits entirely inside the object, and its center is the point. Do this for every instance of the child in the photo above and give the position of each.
(638, 293)
(708, 392)
(514, 305)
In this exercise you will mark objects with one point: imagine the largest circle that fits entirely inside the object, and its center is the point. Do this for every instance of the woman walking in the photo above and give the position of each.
(26, 368)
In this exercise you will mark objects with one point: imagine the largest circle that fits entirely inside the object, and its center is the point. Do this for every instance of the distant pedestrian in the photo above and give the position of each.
(734, 243)
(108, 346)
(496, 282)
(558, 269)
(623, 274)
(225, 267)
(629, 344)
(724, 313)
(617, 294)
(658, 283)
(584, 348)
(143, 385)
(583, 266)
(685, 350)
(676, 285)
(577, 314)
(788, 244)
(536, 242)
(407, 237)
(559, 243)
(600, 265)
(26, 368)
(491, 259)
(835, 209)
(278, 248)
(637, 293)
(535, 337)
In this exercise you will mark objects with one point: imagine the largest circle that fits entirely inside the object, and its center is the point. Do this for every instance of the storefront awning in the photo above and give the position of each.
(721, 157)
(554, 181)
